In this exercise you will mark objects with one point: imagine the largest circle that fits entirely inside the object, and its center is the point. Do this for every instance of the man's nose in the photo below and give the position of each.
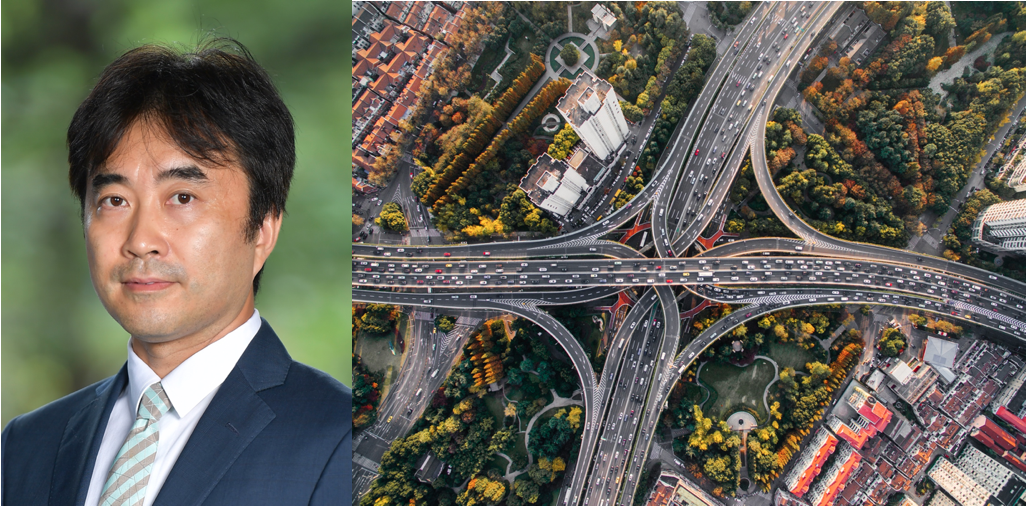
(146, 233)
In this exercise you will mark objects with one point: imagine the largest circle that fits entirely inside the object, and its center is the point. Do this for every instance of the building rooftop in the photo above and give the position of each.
(833, 480)
(553, 185)
(584, 98)
(940, 352)
(958, 484)
(810, 462)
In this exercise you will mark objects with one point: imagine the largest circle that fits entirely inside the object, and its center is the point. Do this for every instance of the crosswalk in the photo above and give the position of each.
(580, 241)
(468, 321)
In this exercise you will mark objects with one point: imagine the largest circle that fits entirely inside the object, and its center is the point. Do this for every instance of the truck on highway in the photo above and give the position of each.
(419, 392)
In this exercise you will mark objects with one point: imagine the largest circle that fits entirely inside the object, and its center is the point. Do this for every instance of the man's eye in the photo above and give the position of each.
(183, 198)
(114, 201)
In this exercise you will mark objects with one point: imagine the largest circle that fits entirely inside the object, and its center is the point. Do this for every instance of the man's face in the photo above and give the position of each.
(165, 237)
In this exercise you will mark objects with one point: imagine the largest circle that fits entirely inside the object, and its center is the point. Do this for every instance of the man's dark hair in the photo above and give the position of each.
(216, 103)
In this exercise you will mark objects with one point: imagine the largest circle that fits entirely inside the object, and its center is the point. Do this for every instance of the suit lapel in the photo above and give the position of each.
(234, 418)
(73, 466)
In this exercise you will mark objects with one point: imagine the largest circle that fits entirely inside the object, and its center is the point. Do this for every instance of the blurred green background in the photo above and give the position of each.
(56, 336)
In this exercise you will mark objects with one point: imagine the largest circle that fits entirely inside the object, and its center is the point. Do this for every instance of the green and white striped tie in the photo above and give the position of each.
(127, 479)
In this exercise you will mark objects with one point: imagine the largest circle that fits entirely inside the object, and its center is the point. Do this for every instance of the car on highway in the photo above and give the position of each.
(696, 152)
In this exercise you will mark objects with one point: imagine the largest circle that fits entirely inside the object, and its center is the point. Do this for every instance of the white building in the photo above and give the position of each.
(958, 484)
(603, 16)
(553, 185)
(1002, 227)
(984, 470)
(593, 111)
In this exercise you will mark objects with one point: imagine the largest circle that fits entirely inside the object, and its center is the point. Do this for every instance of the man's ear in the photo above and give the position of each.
(266, 238)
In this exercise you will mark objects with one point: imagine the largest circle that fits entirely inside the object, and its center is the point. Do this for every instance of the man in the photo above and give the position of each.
(182, 163)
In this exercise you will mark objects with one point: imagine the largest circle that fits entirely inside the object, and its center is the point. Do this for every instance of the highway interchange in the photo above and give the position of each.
(693, 178)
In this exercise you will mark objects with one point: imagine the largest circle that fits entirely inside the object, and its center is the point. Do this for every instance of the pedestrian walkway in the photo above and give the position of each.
(557, 402)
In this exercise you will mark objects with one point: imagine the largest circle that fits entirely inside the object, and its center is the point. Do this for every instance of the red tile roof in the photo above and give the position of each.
(815, 466)
(395, 9)
(837, 485)
(438, 18)
(396, 114)
(996, 433)
(362, 67)
(1013, 420)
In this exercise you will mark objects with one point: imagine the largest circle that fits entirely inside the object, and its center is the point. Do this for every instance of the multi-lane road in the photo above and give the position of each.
(692, 179)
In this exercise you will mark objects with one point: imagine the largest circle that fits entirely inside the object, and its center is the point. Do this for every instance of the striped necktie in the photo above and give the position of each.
(127, 479)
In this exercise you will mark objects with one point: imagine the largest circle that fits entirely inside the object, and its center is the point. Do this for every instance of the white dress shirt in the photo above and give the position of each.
(190, 387)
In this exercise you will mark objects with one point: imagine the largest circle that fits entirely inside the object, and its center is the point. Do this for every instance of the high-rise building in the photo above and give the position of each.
(1001, 227)
(593, 111)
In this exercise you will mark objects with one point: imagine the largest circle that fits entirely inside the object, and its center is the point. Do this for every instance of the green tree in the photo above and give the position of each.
(892, 342)
(445, 323)
(392, 218)
(379, 318)
(570, 54)
(564, 141)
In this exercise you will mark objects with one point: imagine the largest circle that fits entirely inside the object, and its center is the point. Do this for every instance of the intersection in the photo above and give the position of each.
(693, 178)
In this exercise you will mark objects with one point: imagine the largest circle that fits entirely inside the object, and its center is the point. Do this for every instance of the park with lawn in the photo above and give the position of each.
(771, 376)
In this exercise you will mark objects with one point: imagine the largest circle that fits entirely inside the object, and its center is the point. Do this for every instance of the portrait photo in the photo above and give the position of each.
(172, 195)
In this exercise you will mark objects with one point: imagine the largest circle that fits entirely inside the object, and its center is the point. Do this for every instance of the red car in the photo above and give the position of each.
(785, 35)
(487, 253)
(723, 154)
(668, 280)
(367, 269)
(438, 271)
(448, 254)
(696, 152)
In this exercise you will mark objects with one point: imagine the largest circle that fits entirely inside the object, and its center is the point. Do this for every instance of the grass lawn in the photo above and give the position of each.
(737, 387)
(494, 405)
(525, 43)
(520, 449)
(591, 56)
(553, 64)
(497, 462)
(485, 65)
(568, 75)
(373, 349)
(790, 355)
(579, 42)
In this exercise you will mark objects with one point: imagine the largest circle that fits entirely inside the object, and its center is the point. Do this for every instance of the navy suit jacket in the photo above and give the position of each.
(276, 433)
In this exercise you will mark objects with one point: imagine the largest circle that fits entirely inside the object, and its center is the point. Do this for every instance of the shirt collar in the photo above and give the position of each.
(198, 375)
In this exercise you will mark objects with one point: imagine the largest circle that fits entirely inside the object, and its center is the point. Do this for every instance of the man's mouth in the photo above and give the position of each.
(146, 284)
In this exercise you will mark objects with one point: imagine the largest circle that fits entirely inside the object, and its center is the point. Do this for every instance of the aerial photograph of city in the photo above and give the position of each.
(689, 253)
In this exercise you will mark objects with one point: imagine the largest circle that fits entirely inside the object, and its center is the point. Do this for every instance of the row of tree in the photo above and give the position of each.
(483, 130)
(366, 394)
(458, 429)
(517, 127)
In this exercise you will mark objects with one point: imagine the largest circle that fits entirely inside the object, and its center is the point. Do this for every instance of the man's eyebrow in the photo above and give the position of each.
(188, 173)
(107, 178)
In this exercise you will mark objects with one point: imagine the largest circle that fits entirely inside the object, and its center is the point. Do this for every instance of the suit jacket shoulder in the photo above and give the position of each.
(277, 432)
(46, 452)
